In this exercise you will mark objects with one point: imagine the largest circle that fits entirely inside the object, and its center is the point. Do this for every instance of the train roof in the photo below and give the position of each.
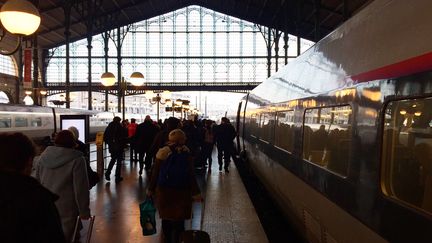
(34, 108)
(386, 39)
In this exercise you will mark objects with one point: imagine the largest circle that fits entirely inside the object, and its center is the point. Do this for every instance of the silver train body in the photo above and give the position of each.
(38, 122)
(342, 136)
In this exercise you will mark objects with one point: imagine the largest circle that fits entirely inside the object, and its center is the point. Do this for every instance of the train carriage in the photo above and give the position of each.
(342, 136)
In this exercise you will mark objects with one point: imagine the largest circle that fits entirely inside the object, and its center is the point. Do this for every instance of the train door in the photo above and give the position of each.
(243, 124)
(238, 127)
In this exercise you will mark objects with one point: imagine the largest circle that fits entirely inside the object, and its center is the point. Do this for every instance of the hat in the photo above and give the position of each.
(177, 136)
(74, 131)
(65, 139)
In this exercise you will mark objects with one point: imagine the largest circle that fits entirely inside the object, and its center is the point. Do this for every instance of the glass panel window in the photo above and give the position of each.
(327, 137)
(254, 121)
(7, 65)
(407, 152)
(5, 121)
(266, 126)
(36, 122)
(21, 122)
(284, 130)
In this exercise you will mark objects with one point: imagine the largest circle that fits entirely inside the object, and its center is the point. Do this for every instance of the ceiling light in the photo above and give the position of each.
(20, 17)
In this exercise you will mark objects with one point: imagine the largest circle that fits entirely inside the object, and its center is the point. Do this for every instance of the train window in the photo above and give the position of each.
(266, 126)
(5, 122)
(284, 130)
(407, 152)
(21, 122)
(254, 121)
(36, 122)
(327, 137)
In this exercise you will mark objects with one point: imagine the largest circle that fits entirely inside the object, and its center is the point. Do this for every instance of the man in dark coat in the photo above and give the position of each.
(193, 141)
(115, 136)
(162, 136)
(144, 136)
(224, 134)
(27, 209)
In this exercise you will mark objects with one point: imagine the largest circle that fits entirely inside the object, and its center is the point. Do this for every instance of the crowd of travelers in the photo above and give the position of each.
(44, 192)
(170, 152)
(146, 138)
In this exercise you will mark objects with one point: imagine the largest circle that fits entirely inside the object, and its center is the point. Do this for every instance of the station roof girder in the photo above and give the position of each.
(296, 17)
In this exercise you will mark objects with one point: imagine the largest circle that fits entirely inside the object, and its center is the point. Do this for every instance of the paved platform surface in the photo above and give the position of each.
(228, 216)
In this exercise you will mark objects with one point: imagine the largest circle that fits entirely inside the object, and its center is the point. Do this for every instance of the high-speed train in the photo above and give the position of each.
(38, 122)
(342, 136)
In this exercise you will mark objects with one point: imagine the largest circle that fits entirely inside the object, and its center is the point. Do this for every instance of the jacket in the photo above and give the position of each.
(173, 203)
(224, 134)
(115, 136)
(132, 129)
(27, 211)
(145, 135)
(63, 171)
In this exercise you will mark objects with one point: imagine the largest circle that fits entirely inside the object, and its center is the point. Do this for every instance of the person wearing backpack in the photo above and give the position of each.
(174, 185)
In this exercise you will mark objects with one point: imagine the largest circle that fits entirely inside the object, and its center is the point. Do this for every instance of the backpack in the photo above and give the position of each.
(174, 171)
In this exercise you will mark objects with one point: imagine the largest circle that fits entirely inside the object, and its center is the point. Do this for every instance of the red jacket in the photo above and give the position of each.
(132, 129)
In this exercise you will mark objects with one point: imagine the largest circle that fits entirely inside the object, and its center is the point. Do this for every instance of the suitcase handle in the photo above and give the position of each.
(89, 231)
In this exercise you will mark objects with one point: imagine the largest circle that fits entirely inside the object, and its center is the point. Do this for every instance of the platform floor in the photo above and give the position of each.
(228, 216)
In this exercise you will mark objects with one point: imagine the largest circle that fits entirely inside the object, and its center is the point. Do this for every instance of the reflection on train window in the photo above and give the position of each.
(266, 127)
(407, 152)
(327, 137)
(36, 122)
(253, 125)
(284, 130)
(5, 122)
(21, 122)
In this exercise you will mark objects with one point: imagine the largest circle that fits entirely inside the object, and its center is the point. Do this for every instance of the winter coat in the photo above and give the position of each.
(145, 135)
(173, 203)
(27, 211)
(224, 134)
(132, 129)
(115, 136)
(63, 171)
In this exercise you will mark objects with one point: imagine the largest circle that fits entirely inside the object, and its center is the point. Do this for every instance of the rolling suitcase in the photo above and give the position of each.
(87, 231)
(193, 235)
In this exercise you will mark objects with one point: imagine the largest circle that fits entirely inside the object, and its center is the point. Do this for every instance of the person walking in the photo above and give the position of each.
(62, 169)
(174, 185)
(208, 143)
(27, 209)
(193, 142)
(145, 134)
(115, 136)
(132, 141)
(224, 135)
(162, 136)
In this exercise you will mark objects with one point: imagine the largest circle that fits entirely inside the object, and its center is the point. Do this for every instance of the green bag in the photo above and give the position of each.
(148, 217)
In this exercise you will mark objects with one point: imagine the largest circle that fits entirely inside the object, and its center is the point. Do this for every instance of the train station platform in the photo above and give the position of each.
(227, 213)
